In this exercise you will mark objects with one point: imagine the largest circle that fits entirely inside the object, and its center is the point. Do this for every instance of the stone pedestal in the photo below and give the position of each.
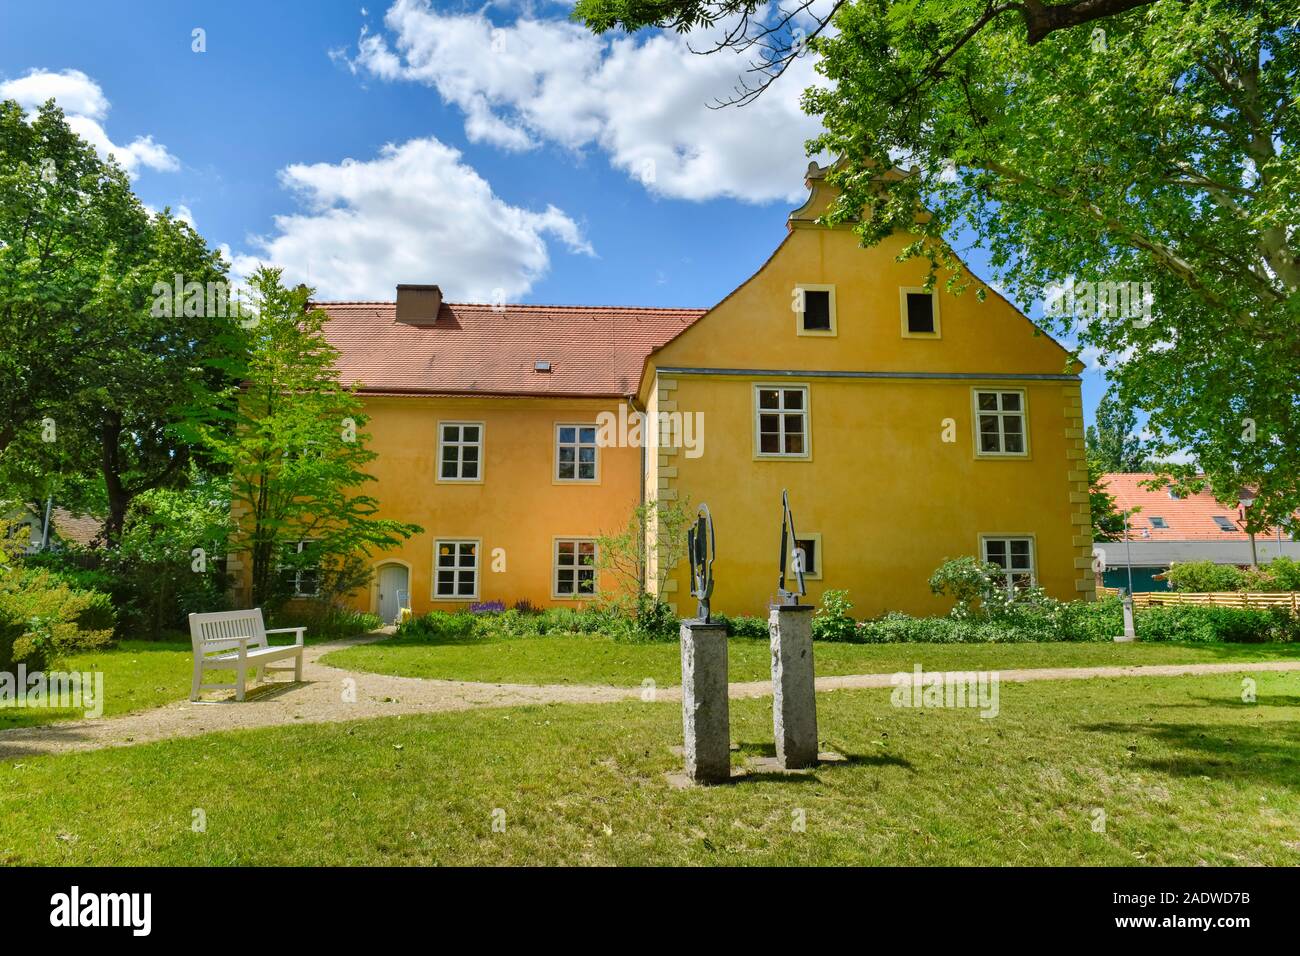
(1129, 634)
(794, 696)
(706, 718)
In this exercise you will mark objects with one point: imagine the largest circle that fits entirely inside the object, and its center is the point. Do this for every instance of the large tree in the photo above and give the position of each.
(1156, 144)
(99, 364)
(297, 452)
(1113, 442)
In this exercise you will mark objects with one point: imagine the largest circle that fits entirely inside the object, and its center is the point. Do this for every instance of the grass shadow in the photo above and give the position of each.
(1268, 754)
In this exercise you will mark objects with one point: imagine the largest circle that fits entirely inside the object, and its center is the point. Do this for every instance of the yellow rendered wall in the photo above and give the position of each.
(518, 506)
(890, 498)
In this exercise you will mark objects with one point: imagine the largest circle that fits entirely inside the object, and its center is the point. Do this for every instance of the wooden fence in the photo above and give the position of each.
(1250, 599)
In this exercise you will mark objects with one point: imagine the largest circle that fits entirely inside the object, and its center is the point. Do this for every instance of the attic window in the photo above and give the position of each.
(1158, 522)
(814, 308)
(541, 366)
(1224, 523)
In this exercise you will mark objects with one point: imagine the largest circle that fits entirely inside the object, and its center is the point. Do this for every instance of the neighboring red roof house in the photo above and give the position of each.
(514, 350)
(1164, 517)
(1166, 529)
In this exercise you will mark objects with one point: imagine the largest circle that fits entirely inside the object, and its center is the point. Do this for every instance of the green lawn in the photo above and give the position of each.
(598, 660)
(1184, 771)
(137, 675)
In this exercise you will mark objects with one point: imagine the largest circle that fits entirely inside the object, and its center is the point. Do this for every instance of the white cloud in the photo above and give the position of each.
(83, 102)
(645, 103)
(415, 213)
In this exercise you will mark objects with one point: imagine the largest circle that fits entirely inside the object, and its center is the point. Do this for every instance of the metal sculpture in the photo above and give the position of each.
(702, 548)
(789, 598)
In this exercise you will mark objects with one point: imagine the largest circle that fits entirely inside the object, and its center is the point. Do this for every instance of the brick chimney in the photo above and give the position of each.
(418, 304)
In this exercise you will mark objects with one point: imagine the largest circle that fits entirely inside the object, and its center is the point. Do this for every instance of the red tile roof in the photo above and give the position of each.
(594, 351)
(1189, 518)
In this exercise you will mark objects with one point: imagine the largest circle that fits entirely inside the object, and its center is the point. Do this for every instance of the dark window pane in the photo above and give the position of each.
(587, 470)
(465, 587)
(988, 401)
(794, 444)
(469, 453)
(586, 454)
(769, 444)
(817, 310)
(794, 423)
(445, 582)
(449, 468)
(450, 432)
(586, 583)
(565, 582)
(1011, 401)
(767, 398)
(469, 470)
(769, 423)
(469, 433)
(566, 469)
(920, 312)
(1015, 443)
(794, 398)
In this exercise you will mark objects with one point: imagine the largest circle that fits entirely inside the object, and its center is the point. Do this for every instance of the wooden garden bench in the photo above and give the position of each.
(236, 640)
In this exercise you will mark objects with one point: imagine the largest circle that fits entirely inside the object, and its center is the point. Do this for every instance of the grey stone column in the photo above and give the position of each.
(794, 697)
(706, 716)
(1129, 634)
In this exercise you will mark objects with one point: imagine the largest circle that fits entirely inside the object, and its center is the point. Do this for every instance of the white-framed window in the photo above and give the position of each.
(781, 426)
(574, 563)
(1014, 554)
(577, 457)
(814, 309)
(305, 580)
(1000, 419)
(811, 543)
(460, 451)
(919, 312)
(456, 569)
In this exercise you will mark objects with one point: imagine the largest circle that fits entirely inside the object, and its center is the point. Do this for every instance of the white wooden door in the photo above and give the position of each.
(392, 587)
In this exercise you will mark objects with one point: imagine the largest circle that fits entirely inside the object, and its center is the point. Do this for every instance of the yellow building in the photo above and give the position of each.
(908, 427)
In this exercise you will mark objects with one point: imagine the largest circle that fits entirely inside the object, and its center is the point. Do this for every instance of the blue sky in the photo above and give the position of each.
(494, 150)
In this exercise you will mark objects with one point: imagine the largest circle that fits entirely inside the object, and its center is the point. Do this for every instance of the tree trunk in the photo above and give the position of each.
(118, 499)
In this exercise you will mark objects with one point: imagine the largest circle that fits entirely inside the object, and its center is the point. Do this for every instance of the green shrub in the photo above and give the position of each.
(1204, 576)
(745, 626)
(1284, 574)
(831, 621)
(324, 620)
(981, 593)
(42, 618)
(1199, 625)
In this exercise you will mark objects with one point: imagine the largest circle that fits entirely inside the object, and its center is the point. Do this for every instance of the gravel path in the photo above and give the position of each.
(330, 695)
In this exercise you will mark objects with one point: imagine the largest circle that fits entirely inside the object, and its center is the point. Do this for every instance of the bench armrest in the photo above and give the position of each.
(285, 630)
